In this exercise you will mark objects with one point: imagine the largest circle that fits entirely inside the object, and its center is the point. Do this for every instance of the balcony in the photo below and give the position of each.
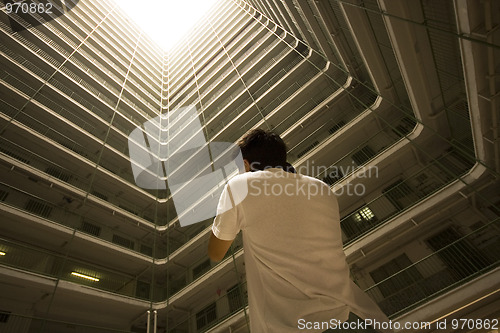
(80, 184)
(19, 203)
(450, 266)
(53, 265)
(231, 305)
(188, 275)
(20, 323)
(402, 195)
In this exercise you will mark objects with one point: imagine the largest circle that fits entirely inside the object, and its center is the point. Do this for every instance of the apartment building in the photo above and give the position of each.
(394, 104)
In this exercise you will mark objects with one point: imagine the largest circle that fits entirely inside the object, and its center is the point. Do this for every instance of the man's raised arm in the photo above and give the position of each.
(217, 248)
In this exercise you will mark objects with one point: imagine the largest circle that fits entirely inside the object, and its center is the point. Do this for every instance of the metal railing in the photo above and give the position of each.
(23, 155)
(49, 103)
(447, 268)
(66, 54)
(408, 192)
(13, 322)
(340, 117)
(39, 261)
(199, 268)
(59, 266)
(234, 301)
(35, 205)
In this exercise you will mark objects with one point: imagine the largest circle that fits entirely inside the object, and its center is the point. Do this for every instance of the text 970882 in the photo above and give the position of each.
(25, 8)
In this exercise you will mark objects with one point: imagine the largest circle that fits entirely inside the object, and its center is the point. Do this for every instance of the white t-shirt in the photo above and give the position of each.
(295, 264)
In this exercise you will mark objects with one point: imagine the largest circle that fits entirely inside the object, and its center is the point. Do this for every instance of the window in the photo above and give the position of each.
(365, 214)
(147, 250)
(334, 175)
(3, 195)
(234, 298)
(201, 269)
(206, 316)
(123, 241)
(58, 173)
(399, 194)
(336, 127)
(91, 229)
(363, 155)
(308, 148)
(4, 316)
(39, 208)
(357, 222)
(399, 277)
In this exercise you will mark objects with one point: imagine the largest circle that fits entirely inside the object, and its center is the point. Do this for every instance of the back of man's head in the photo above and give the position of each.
(263, 149)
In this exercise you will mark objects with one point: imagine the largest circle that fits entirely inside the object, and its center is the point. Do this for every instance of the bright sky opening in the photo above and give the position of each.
(166, 21)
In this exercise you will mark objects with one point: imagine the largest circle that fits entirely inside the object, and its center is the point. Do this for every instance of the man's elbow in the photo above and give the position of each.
(217, 248)
(214, 253)
(215, 256)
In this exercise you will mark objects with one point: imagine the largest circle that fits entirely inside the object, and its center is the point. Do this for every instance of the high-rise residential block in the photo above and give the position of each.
(394, 104)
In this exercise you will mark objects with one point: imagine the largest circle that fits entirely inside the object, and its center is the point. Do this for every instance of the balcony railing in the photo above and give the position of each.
(42, 99)
(67, 28)
(339, 118)
(215, 127)
(200, 268)
(21, 323)
(307, 107)
(36, 260)
(32, 204)
(408, 288)
(463, 261)
(234, 301)
(67, 176)
(443, 270)
(405, 194)
(56, 32)
(177, 238)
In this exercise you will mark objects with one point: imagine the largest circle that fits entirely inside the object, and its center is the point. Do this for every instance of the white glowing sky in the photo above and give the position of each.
(166, 21)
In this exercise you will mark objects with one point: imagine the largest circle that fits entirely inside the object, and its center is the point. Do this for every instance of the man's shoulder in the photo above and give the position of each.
(240, 178)
(275, 174)
(315, 181)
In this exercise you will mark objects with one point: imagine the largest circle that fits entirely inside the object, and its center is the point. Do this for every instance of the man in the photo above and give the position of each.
(297, 276)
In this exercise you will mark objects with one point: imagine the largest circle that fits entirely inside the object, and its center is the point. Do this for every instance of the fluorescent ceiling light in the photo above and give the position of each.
(166, 21)
(2, 253)
(84, 276)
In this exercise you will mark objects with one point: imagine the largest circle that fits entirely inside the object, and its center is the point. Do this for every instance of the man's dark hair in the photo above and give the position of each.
(263, 149)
